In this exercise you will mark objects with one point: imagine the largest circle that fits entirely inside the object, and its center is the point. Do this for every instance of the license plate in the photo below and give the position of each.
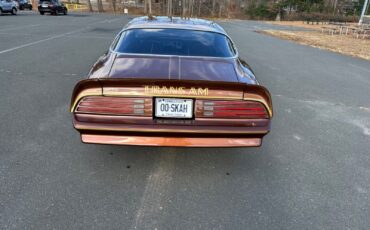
(173, 108)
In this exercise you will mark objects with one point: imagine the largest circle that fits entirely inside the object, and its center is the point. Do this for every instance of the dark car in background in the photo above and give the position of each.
(53, 7)
(24, 4)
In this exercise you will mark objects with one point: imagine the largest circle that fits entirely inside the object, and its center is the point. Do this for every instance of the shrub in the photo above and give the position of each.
(262, 11)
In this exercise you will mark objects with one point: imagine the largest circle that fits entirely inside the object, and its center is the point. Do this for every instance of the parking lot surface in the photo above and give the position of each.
(312, 171)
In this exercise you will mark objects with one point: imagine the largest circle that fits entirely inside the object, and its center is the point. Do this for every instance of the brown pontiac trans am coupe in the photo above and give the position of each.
(171, 82)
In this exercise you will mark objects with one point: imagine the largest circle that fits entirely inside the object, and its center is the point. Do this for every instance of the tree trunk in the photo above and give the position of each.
(220, 10)
(335, 7)
(114, 6)
(168, 8)
(199, 6)
(100, 6)
(171, 8)
(227, 3)
(184, 8)
(213, 8)
(192, 8)
(89, 5)
(150, 6)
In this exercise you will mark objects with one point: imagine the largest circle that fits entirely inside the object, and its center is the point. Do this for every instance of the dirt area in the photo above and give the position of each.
(344, 44)
(296, 24)
(302, 24)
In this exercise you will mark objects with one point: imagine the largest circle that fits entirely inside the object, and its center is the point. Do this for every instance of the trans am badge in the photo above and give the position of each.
(173, 90)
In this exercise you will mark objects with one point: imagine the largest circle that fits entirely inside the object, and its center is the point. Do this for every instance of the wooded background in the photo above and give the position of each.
(320, 10)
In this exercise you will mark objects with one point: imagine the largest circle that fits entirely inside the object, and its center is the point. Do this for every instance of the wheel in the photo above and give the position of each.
(65, 12)
(42, 13)
(14, 11)
(1, 11)
(30, 8)
(21, 8)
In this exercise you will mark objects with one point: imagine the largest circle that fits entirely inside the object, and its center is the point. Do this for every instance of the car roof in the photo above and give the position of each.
(164, 22)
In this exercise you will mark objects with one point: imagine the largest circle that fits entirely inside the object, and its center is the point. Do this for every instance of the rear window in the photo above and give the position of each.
(175, 42)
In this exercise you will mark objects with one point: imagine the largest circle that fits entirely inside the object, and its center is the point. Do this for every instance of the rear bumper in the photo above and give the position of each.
(145, 131)
(170, 141)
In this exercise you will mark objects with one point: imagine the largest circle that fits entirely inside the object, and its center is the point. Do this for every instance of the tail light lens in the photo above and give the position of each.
(231, 109)
(116, 106)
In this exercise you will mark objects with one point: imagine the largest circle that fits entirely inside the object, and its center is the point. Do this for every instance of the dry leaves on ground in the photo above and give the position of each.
(344, 44)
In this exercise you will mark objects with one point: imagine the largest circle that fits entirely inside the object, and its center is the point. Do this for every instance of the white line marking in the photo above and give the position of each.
(69, 36)
(13, 33)
(54, 37)
(19, 27)
(34, 43)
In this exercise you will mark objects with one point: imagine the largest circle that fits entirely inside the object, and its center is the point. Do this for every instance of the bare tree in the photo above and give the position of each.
(335, 7)
(169, 7)
(150, 6)
(213, 8)
(199, 4)
(227, 5)
(89, 5)
(220, 10)
(100, 6)
(114, 6)
(191, 8)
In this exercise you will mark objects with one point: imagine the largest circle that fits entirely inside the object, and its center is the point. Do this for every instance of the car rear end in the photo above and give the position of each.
(171, 82)
(46, 7)
(171, 113)
(24, 4)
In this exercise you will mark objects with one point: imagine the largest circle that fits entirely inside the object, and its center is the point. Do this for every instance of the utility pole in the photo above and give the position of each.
(363, 12)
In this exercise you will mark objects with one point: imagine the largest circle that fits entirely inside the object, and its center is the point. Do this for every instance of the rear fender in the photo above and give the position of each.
(260, 94)
(88, 87)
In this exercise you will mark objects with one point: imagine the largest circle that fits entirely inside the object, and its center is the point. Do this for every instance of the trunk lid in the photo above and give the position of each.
(174, 68)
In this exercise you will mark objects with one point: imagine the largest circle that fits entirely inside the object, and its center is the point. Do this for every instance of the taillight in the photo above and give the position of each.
(115, 106)
(231, 109)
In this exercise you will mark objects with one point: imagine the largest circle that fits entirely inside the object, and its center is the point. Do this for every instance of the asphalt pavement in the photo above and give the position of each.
(312, 171)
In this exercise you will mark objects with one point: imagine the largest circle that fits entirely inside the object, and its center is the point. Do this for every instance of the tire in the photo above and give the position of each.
(1, 11)
(14, 11)
(65, 12)
(21, 8)
(42, 13)
(30, 8)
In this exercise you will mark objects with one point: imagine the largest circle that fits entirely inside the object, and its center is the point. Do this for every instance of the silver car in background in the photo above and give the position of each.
(8, 6)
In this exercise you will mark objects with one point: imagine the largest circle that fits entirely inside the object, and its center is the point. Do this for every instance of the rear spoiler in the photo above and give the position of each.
(172, 88)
